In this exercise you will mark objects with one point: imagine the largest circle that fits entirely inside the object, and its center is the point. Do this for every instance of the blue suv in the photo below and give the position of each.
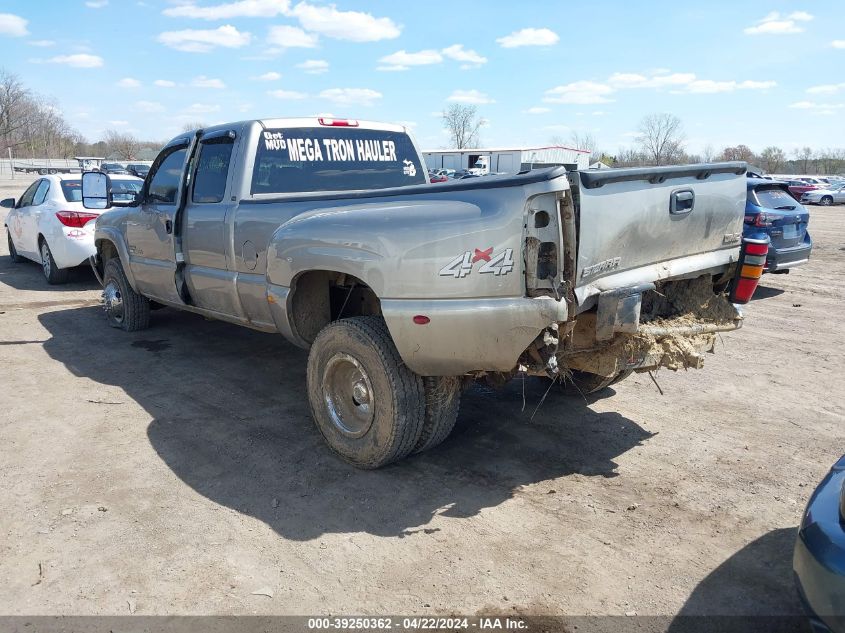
(771, 212)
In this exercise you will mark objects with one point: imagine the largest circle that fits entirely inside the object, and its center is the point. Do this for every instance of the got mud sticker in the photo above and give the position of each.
(334, 150)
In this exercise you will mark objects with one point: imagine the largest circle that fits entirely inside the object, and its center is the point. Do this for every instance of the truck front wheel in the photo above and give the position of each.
(367, 404)
(124, 307)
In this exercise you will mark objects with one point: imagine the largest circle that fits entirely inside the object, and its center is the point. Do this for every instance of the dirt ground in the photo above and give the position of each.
(177, 471)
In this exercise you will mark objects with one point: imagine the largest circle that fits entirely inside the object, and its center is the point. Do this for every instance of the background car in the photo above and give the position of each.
(138, 169)
(799, 187)
(113, 168)
(772, 212)
(50, 226)
(819, 558)
(834, 194)
(434, 177)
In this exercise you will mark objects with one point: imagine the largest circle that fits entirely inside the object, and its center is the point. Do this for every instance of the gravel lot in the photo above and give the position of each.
(177, 470)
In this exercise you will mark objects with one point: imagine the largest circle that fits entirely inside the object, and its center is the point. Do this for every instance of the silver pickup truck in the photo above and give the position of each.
(327, 232)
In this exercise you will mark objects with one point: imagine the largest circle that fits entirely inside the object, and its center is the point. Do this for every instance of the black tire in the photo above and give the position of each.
(52, 273)
(442, 402)
(13, 252)
(826, 201)
(125, 308)
(366, 403)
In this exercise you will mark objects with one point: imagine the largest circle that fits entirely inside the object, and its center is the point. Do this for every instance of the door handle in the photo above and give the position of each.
(681, 201)
(168, 226)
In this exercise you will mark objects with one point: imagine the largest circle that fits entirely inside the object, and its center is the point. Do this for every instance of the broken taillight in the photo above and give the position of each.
(75, 219)
(752, 260)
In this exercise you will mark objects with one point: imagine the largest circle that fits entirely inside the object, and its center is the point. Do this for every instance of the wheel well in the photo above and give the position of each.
(106, 250)
(319, 297)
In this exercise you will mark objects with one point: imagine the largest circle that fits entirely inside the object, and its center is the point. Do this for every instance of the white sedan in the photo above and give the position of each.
(50, 226)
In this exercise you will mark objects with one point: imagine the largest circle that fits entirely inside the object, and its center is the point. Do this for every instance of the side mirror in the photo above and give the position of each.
(8, 203)
(96, 190)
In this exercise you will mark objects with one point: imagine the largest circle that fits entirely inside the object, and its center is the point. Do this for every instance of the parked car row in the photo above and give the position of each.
(139, 170)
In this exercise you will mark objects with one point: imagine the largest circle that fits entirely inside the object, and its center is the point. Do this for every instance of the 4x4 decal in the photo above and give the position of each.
(497, 264)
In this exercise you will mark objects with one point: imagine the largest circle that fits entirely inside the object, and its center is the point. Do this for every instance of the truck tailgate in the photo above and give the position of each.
(644, 224)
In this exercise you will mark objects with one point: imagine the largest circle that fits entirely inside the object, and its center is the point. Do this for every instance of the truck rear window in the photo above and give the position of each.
(299, 160)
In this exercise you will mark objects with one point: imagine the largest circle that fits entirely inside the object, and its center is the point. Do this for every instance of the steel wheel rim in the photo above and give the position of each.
(45, 259)
(348, 394)
(113, 301)
(826, 202)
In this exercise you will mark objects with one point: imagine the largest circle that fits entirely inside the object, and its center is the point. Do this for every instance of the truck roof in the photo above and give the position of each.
(295, 122)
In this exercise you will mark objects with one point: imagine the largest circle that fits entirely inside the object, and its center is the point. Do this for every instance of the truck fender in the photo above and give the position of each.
(315, 242)
(113, 235)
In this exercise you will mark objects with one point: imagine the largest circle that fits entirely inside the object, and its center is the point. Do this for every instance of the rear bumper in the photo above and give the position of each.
(465, 335)
(819, 557)
(783, 258)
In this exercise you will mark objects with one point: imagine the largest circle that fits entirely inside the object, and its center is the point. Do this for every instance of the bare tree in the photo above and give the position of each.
(661, 138)
(772, 158)
(629, 157)
(585, 140)
(740, 152)
(462, 123)
(190, 126)
(803, 156)
(122, 144)
(708, 153)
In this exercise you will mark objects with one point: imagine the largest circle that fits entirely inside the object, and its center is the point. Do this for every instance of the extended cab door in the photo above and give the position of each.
(149, 228)
(208, 273)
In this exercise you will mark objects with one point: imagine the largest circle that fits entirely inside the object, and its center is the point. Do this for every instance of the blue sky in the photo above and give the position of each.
(759, 73)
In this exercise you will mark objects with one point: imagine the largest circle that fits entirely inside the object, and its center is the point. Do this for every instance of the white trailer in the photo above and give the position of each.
(508, 160)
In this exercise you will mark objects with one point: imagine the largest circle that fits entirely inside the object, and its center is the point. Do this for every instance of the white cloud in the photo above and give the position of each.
(470, 58)
(812, 105)
(585, 92)
(582, 92)
(777, 24)
(269, 76)
(225, 11)
(96, 4)
(537, 110)
(354, 26)
(205, 40)
(287, 94)
(207, 82)
(633, 80)
(708, 86)
(469, 96)
(201, 108)
(351, 96)
(838, 43)
(164, 83)
(42, 43)
(314, 66)
(826, 89)
(402, 60)
(285, 36)
(79, 60)
(13, 25)
(128, 82)
(149, 106)
(529, 37)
